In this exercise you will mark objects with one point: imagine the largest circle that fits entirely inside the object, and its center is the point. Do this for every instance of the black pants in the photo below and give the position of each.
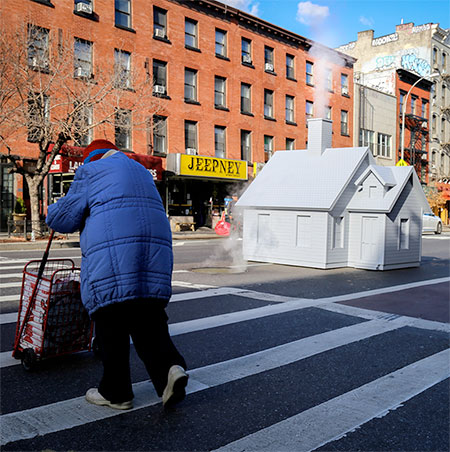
(145, 320)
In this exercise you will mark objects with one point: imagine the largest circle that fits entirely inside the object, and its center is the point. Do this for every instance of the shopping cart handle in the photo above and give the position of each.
(45, 256)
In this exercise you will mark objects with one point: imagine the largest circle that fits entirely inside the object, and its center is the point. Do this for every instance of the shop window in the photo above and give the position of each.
(344, 85)
(159, 135)
(268, 59)
(159, 77)
(190, 34)
(219, 142)
(122, 69)
(83, 124)
(268, 103)
(159, 23)
(220, 91)
(221, 43)
(290, 66)
(289, 107)
(190, 137)
(246, 50)
(122, 129)
(290, 144)
(38, 115)
(246, 101)
(190, 85)
(344, 122)
(246, 150)
(268, 147)
(123, 13)
(309, 73)
(82, 58)
(38, 47)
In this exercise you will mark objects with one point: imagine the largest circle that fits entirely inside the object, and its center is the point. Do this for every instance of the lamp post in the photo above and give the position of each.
(436, 73)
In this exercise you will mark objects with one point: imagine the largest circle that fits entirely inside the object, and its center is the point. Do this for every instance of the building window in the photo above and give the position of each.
(401, 101)
(384, 145)
(246, 101)
(219, 91)
(329, 79)
(442, 129)
(221, 43)
(190, 137)
(328, 112)
(404, 234)
(123, 13)
(304, 233)
(190, 33)
(268, 147)
(122, 69)
(246, 150)
(413, 105)
(344, 122)
(268, 103)
(268, 59)
(424, 109)
(159, 77)
(190, 85)
(444, 61)
(219, 142)
(290, 144)
(338, 236)
(122, 128)
(309, 73)
(290, 66)
(367, 138)
(38, 115)
(159, 135)
(435, 55)
(159, 23)
(290, 109)
(83, 124)
(433, 123)
(309, 110)
(246, 50)
(433, 91)
(344, 84)
(38, 47)
(82, 58)
(443, 94)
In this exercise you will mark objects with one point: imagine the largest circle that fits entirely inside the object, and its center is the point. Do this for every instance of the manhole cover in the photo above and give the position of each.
(211, 270)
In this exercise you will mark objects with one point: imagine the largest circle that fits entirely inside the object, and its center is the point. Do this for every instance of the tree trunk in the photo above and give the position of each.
(33, 188)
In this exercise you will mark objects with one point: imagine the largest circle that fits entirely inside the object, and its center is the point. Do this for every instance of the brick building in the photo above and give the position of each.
(232, 89)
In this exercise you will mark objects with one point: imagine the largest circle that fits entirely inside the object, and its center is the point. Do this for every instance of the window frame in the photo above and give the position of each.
(78, 63)
(309, 73)
(87, 117)
(122, 72)
(246, 145)
(191, 39)
(344, 130)
(384, 145)
(220, 151)
(309, 115)
(269, 106)
(220, 93)
(268, 147)
(190, 142)
(157, 25)
(222, 45)
(42, 114)
(38, 56)
(245, 100)
(246, 52)
(290, 109)
(123, 129)
(119, 13)
(290, 68)
(159, 125)
(188, 86)
(159, 73)
(345, 88)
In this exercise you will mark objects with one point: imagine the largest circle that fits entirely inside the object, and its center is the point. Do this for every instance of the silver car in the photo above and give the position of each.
(431, 223)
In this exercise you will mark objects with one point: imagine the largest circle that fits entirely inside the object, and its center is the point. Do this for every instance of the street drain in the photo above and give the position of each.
(214, 270)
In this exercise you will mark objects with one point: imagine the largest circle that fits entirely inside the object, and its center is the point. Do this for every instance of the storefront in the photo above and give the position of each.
(197, 186)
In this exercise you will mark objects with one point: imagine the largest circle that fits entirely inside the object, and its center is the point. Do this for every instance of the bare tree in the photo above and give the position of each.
(50, 95)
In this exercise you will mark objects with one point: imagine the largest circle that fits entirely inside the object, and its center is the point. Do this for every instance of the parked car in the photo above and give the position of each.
(431, 223)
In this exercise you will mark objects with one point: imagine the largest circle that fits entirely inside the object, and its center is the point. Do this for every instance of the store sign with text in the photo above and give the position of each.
(195, 165)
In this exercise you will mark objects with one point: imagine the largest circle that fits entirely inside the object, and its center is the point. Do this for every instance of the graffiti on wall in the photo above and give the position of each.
(414, 60)
(385, 39)
(412, 63)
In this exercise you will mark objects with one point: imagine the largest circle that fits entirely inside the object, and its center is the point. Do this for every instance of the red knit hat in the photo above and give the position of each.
(96, 150)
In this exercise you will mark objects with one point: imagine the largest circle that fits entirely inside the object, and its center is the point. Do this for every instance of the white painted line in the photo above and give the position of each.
(191, 285)
(8, 318)
(70, 413)
(11, 275)
(6, 359)
(207, 293)
(5, 298)
(331, 420)
(10, 285)
(13, 267)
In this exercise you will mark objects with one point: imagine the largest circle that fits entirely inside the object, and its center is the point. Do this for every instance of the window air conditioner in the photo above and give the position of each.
(247, 59)
(159, 89)
(84, 8)
(159, 32)
(269, 67)
(191, 151)
(80, 73)
(34, 62)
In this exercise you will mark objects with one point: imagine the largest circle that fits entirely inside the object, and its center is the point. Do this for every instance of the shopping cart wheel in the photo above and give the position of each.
(28, 359)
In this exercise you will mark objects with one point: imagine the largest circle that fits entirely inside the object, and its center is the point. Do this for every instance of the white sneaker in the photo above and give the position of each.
(94, 397)
(175, 390)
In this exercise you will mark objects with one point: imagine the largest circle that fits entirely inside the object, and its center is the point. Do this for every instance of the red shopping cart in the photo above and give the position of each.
(52, 320)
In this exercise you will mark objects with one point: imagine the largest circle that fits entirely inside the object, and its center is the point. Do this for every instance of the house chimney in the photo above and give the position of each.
(319, 135)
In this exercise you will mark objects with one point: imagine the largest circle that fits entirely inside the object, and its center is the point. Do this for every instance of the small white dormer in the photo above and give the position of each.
(375, 182)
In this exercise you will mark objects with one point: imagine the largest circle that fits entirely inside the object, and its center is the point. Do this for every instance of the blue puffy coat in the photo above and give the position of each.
(125, 237)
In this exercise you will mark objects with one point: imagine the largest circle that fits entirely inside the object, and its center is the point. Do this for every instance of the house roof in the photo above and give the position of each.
(302, 180)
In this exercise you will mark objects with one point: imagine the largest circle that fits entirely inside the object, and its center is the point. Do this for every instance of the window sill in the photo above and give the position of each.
(221, 57)
(250, 65)
(44, 70)
(310, 84)
(158, 38)
(159, 154)
(194, 49)
(345, 135)
(291, 123)
(292, 79)
(271, 72)
(270, 118)
(123, 27)
(247, 113)
(91, 16)
(44, 2)
(192, 102)
(88, 79)
(345, 95)
(220, 107)
(162, 96)
(331, 91)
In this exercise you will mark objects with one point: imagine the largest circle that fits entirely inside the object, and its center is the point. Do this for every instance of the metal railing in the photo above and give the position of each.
(23, 228)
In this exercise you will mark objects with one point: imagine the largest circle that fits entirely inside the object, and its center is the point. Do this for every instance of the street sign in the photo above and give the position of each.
(401, 162)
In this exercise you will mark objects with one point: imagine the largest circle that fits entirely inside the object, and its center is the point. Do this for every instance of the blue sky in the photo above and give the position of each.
(336, 22)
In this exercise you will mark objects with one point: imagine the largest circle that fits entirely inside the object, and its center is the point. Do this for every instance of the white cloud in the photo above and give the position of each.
(250, 6)
(311, 14)
(366, 21)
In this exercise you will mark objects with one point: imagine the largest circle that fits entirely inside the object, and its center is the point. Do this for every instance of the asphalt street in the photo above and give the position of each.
(280, 359)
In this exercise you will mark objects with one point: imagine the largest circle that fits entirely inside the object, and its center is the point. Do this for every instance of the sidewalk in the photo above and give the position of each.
(73, 240)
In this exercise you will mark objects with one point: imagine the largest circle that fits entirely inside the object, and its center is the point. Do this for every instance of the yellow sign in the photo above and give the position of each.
(195, 165)
(401, 162)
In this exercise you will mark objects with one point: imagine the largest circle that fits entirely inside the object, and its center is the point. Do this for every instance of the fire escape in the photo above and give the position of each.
(446, 112)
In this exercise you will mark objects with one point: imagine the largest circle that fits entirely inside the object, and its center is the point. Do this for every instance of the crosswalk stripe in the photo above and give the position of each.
(5, 298)
(70, 413)
(331, 420)
(10, 285)
(11, 275)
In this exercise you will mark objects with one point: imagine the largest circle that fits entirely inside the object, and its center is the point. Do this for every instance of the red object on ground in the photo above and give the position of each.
(222, 226)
